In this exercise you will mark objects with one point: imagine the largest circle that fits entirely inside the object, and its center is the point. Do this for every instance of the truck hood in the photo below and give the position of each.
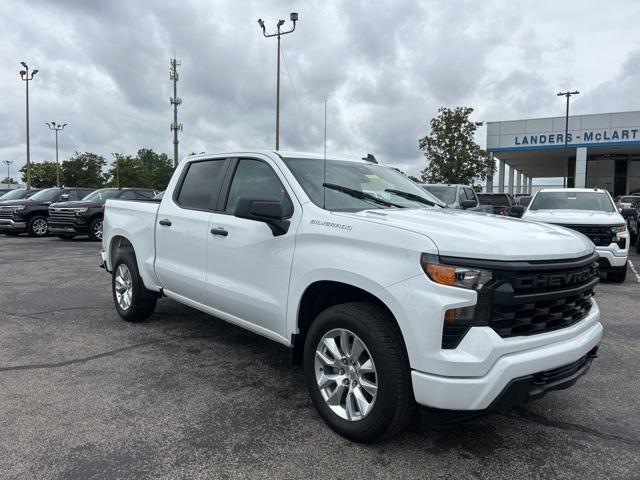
(77, 204)
(574, 217)
(26, 201)
(479, 235)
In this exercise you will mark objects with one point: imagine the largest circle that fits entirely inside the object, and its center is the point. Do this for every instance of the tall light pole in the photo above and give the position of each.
(175, 101)
(567, 94)
(8, 163)
(294, 18)
(116, 157)
(26, 77)
(56, 127)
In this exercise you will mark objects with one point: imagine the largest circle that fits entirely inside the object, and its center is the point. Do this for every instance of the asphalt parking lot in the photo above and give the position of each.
(85, 395)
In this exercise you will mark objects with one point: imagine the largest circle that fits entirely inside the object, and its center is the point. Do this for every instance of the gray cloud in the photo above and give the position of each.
(385, 68)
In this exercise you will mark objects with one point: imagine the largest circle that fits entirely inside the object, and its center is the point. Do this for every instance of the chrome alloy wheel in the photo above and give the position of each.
(97, 230)
(346, 374)
(124, 287)
(40, 227)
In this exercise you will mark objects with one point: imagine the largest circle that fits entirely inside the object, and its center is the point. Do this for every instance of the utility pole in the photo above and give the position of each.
(8, 163)
(24, 75)
(566, 134)
(175, 101)
(56, 127)
(116, 157)
(294, 18)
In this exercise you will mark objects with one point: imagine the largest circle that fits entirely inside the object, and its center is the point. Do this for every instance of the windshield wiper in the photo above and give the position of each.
(413, 196)
(361, 195)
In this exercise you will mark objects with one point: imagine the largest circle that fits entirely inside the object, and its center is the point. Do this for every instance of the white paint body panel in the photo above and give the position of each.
(257, 281)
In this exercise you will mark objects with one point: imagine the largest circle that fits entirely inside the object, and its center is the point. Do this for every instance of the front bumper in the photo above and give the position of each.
(68, 229)
(479, 393)
(612, 256)
(8, 225)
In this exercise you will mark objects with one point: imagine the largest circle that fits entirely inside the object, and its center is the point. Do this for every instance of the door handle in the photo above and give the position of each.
(165, 222)
(219, 231)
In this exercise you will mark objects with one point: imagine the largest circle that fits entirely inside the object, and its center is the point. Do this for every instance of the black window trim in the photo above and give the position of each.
(216, 188)
(226, 185)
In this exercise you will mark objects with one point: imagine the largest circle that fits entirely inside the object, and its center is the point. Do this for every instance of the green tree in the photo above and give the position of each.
(147, 169)
(43, 174)
(83, 170)
(452, 154)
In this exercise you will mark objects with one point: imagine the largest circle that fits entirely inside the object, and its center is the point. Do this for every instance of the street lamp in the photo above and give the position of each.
(8, 163)
(294, 18)
(56, 127)
(26, 77)
(566, 135)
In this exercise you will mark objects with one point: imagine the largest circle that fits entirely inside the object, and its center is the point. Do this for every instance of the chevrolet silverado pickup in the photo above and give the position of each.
(84, 217)
(592, 212)
(389, 299)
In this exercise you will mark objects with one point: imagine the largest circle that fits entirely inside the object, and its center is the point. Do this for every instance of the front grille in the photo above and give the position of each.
(6, 213)
(600, 235)
(529, 298)
(61, 216)
(541, 316)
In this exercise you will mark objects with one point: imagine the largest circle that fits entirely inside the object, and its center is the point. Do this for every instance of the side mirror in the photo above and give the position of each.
(468, 204)
(517, 211)
(271, 212)
(64, 197)
(629, 212)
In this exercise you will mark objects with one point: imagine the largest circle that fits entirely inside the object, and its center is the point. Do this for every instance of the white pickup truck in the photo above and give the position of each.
(389, 299)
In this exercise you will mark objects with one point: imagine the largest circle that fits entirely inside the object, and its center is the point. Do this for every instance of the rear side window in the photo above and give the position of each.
(254, 179)
(200, 183)
(73, 195)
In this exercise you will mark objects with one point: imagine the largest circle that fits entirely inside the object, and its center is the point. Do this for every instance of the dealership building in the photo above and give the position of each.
(603, 151)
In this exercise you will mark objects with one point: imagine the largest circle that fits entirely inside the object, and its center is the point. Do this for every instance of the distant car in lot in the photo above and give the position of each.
(627, 201)
(31, 215)
(461, 197)
(523, 200)
(590, 211)
(18, 194)
(84, 217)
(502, 204)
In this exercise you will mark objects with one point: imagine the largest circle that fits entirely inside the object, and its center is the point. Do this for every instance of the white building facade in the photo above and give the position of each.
(603, 151)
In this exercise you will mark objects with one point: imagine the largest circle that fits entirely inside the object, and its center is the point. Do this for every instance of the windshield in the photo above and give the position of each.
(14, 195)
(445, 193)
(499, 199)
(598, 201)
(46, 195)
(367, 178)
(102, 195)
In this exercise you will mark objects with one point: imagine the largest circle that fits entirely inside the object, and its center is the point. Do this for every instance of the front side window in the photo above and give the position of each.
(102, 195)
(369, 185)
(72, 195)
(470, 194)
(200, 183)
(257, 180)
(596, 201)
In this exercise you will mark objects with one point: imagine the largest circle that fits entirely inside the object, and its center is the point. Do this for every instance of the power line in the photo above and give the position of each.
(295, 95)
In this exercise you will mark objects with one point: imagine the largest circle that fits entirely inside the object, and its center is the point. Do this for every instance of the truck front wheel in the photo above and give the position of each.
(133, 301)
(357, 372)
(618, 274)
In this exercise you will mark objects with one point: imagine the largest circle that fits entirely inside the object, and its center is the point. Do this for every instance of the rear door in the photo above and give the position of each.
(182, 231)
(248, 268)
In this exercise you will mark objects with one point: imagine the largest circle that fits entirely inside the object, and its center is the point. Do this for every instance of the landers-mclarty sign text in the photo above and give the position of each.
(590, 136)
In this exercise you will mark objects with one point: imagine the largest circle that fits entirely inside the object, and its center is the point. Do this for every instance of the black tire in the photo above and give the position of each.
(618, 274)
(35, 226)
(143, 301)
(394, 405)
(64, 236)
(633, 238)
(93, 229)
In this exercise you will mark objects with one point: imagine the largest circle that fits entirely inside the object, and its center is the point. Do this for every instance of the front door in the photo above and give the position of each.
(248, 268)
(182, 229)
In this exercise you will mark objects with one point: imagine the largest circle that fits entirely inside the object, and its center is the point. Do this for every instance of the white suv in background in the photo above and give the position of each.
(590, 211)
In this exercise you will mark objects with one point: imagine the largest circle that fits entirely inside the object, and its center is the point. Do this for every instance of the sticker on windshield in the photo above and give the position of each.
(372, 177)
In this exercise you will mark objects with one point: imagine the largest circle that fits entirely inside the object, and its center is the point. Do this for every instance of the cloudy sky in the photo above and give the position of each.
(385, 67)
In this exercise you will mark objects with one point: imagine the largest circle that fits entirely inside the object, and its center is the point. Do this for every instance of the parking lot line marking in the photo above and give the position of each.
(633, 268)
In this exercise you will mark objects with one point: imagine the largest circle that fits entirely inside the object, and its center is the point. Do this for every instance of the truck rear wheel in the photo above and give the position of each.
(133, 301)
(357, 372)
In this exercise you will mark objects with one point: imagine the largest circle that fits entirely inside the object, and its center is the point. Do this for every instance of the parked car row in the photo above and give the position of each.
(65, 212)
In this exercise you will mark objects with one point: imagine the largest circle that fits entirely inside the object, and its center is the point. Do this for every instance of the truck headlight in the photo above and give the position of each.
(471, 278)
(80, 211)
(19, 208)
(618, 228)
